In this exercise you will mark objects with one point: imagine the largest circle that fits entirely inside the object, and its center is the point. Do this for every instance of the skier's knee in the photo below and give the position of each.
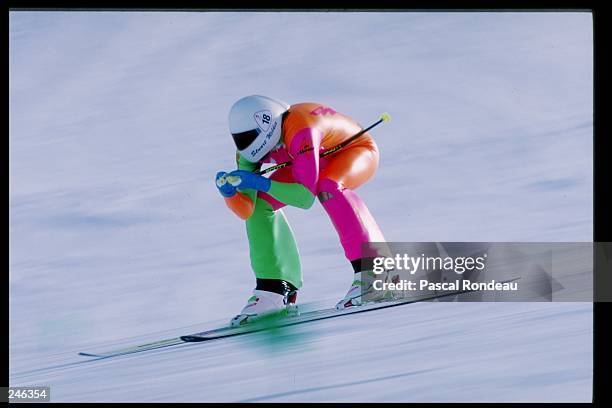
(327, 189)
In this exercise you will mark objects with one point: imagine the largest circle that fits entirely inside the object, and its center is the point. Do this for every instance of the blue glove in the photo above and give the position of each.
(225, 188)
(245, 179)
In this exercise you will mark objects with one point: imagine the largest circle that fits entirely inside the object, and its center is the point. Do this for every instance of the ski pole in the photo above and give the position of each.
(384, 117)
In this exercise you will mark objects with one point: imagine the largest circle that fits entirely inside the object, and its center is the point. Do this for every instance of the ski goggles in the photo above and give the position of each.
(244, 139)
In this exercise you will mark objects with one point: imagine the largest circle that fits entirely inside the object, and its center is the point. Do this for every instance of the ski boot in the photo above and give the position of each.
(359, 288)
(264, 303)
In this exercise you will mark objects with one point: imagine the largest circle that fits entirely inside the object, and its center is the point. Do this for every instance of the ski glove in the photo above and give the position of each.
(225, 188)
(245, 179)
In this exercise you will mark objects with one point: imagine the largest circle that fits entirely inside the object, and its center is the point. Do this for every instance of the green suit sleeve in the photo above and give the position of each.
(294, 194)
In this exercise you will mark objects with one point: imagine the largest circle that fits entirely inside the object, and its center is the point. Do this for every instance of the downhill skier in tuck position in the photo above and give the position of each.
(266, 130)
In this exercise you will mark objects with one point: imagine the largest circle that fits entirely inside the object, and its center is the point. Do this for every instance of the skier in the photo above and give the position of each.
(266, 130)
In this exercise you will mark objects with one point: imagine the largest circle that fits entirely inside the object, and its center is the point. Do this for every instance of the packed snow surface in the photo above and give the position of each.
(118, 123)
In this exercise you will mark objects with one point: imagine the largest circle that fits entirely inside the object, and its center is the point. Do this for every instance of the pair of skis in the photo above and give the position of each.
(267, 324)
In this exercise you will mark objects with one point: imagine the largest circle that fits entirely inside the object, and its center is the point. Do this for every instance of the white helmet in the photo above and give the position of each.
(255, 123)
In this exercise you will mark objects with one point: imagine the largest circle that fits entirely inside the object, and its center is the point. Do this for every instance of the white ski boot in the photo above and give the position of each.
(264, 303)
(359, 288)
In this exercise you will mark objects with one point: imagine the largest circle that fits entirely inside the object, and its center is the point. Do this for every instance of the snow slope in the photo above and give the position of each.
(118, 125)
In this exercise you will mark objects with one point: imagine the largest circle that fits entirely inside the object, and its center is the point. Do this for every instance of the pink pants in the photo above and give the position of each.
(339, 175)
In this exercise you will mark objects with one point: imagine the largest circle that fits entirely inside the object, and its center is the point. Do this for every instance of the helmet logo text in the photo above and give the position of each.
(265, 142)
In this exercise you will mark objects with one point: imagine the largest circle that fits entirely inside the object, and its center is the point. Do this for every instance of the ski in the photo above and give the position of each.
(267, 324)
(135, 349)
(312, 316)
